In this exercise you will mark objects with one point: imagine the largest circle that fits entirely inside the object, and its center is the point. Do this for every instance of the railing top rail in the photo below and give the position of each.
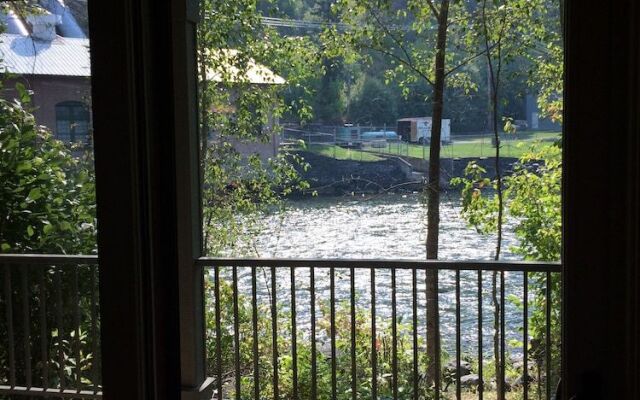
(465, 265)
(46, 393)
(48, 259)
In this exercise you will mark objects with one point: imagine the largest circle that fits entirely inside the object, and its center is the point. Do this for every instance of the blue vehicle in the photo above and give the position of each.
(380, 135)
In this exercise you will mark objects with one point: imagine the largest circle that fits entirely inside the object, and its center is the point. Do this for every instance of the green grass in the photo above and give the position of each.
(513, 145)
(471, 147)
(340, 153)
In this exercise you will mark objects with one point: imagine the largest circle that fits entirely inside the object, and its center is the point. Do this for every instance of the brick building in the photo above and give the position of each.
(48, 53)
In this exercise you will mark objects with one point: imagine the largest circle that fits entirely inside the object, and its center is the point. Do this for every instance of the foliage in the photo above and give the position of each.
(323, 375)
(533, 198)
(47, 205)
(47, 197)
(241, 101)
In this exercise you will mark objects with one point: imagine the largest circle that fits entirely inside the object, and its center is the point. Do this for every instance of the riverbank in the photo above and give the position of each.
(329, 176)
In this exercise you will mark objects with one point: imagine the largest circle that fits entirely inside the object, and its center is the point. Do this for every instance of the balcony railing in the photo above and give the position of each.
(327, 329)
(50, 314)
(304, 329)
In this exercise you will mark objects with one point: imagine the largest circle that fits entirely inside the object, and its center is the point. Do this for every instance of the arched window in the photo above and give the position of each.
(72, 121)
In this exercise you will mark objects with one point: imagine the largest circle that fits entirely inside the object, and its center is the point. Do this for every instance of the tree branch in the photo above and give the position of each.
(466, 61)
(433, 8)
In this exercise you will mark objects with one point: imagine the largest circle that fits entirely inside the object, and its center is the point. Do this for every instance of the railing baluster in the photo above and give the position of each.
(414, 303)
(480, 337)
(458, 342)
(76, 323)
(332, 295)
(44, 353)
(216, 295)
(374, 339)
(312, 302)
(274, 332)
(438, 369)
(354, 385)
(95, 339)
(502, 337)
(8, 293)
(236, 333)
(60, 326)
(394, 335)
(548, 335)
(525, 337)
(254, 323)
(26, 322)
(294, 334)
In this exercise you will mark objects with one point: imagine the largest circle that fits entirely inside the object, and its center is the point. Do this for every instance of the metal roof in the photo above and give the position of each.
(61, 57)
(227, 70)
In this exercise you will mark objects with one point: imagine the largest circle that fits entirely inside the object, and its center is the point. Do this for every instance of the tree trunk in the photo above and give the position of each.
(433, 200)
(493, 87)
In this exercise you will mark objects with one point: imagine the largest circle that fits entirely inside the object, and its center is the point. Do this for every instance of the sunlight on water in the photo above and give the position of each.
(392, 226)
(388, 227)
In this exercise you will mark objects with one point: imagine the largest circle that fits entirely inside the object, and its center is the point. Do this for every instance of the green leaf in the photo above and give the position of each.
(30, 231)
(34, 194)
(48, 228)
(23, 166)
(5, 247)
(23, 93)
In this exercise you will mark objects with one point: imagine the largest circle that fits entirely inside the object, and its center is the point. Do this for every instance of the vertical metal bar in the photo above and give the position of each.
(8, 294)
(76, 325)
(254, 322)
(437, 360)
(26, 322)
(414, 294)
(274, 332)
(354, 387)
(480, 345)
(458, 341)
(332, 290)
(394, 335)
(95, 335)
(236, 332)
(44, 352)
(525, 337)
(216, 295)
(502, 337)
(312, 301)
(60, 325)
(548, 335)
(374, 339)
(294, 334)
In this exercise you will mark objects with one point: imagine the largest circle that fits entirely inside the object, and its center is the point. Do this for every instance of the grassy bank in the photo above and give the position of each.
(513, 145)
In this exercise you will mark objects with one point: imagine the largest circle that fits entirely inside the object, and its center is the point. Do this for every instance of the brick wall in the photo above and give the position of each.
(49, 91)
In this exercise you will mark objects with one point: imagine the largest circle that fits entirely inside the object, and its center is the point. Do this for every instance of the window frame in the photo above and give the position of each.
(147, 194)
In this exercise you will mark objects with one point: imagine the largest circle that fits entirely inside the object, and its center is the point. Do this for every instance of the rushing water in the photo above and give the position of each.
(392, 226)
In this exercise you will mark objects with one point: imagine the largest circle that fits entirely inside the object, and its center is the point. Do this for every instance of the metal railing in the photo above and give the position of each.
(303, 329)
(50, 314)
(339, 329)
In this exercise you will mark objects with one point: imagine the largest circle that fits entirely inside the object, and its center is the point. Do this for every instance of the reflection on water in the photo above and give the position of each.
(392, 226)
(388, 227)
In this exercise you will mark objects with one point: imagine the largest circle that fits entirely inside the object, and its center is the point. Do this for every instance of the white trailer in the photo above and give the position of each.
(418, 130)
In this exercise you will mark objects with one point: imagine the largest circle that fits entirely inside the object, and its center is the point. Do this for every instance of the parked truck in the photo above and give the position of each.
(418, 130)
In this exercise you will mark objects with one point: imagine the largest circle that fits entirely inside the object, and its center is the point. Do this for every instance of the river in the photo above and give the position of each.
(392, 226)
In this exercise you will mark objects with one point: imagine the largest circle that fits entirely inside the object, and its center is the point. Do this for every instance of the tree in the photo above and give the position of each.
(241, 62)
(47, 196)
(417, 38)
(500, 23)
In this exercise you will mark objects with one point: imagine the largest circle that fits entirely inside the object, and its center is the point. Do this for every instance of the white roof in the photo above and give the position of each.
(62, 56)
(228, 72)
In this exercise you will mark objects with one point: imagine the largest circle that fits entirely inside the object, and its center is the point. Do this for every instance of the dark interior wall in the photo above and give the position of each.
(601, 202)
